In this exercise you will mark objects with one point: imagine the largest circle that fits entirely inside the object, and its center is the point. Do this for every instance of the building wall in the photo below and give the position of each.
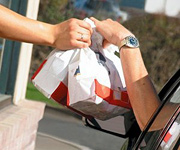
(172, 7)
(19, 124)
(167, 7)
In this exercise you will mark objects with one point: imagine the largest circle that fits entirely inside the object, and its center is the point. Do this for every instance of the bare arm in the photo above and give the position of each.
(66, 35)
(143, 97)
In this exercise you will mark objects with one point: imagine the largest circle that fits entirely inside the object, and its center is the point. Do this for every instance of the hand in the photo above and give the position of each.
(112, 31)
(71, 34)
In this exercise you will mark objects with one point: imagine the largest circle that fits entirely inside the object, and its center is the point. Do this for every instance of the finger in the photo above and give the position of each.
(95, 20)
(80, 44)
(83, 31)
(83, 37)
(105, 43)
(98, 24)
(85, 25)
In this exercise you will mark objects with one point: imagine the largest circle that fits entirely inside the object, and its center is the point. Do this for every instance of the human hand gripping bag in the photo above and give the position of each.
(89, 81)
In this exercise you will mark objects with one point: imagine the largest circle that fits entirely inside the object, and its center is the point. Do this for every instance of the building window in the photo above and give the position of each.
(1, 50)
(9, 52)
(7, 4)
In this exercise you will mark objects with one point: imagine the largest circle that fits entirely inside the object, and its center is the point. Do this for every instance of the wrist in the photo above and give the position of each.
(52, 36)
(128, 52)
(44, 34)
(122, 35)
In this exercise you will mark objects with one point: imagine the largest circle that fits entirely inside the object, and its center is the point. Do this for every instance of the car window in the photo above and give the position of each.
(176, 96)
(168, 134)
(1, 48)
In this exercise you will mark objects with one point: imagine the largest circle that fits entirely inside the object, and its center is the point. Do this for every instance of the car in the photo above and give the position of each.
(100, 8)
(165, 138)
(1, 47)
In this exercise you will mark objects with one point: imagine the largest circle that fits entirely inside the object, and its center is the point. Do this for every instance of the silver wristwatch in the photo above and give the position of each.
(129, 41)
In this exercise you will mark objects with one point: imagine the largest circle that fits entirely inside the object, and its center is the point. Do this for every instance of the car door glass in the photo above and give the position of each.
(176, 96)
(1, 49)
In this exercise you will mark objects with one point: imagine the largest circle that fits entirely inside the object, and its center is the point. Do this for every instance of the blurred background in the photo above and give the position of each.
(155, 23)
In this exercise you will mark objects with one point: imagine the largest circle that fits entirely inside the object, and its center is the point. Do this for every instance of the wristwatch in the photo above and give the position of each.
(129, 41)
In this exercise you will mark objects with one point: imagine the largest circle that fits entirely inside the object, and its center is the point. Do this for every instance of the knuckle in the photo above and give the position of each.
(110, 20)
(84, 45)
(72, 27)
(72, 42)
(71, 34)
(73, 21)
(87, 24)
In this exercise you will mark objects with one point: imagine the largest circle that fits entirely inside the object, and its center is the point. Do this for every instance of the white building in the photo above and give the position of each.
(167, 7)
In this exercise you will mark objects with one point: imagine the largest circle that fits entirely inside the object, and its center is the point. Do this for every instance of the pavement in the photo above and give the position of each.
(61, 129)
(47, 142)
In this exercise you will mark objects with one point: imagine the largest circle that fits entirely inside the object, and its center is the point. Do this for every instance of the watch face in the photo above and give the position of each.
(132, 42)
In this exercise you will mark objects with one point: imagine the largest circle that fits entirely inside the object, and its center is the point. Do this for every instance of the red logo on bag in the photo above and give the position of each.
(107, 94)
(60, 93)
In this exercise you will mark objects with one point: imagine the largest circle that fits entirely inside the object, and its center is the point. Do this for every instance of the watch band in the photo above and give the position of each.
(129, 41)
(122, 43)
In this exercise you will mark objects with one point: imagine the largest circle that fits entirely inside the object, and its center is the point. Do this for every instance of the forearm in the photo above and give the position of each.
(143, 97)
(16, 27)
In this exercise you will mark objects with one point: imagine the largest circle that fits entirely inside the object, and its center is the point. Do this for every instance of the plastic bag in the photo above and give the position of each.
(91, 78)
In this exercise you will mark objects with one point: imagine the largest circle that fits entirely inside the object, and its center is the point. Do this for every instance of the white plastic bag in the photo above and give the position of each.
(91, 78)
(95, 88)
